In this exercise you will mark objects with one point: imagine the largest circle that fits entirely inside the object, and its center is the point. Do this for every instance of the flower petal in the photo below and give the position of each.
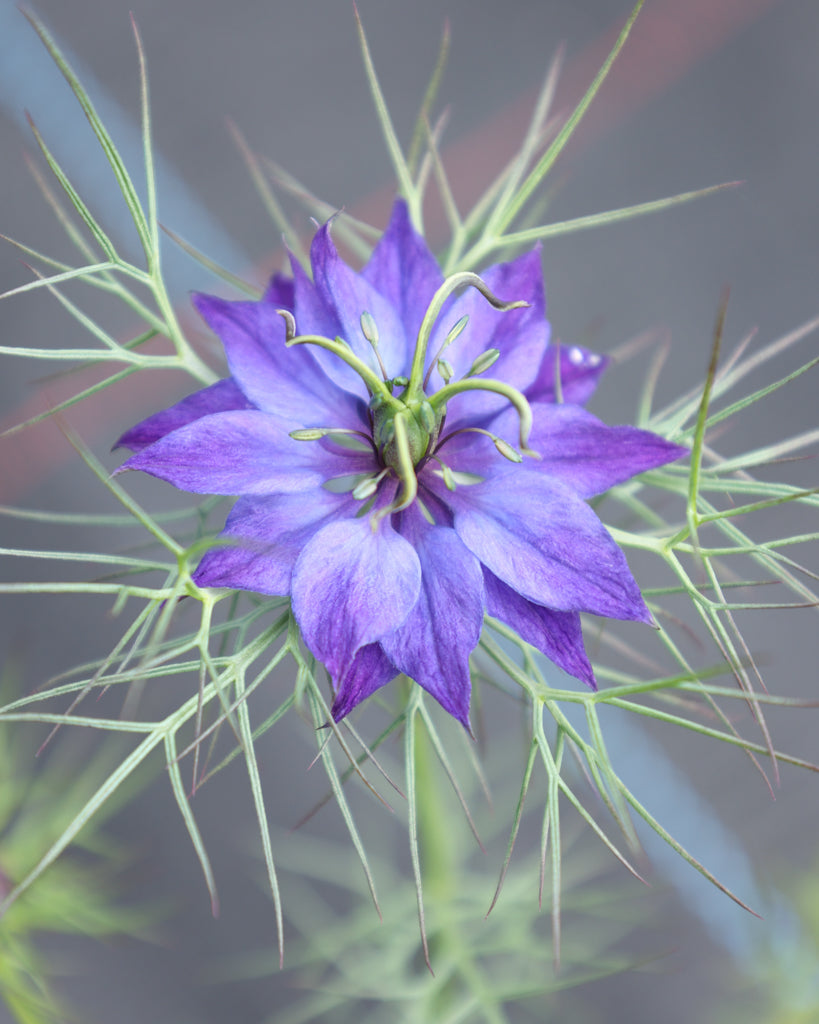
(352, 585)
(520, 335)
(433, 644)
(244, 452)
(268, 533)
(557, 634)
(547, 544)
(588, 455)
(285, 381)
(403, 270)
(281, 292)
(346, 295)
(579, 369)
(371, 669)
(222, 396)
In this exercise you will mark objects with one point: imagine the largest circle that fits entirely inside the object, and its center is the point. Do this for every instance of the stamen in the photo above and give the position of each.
(454, 332)
(445, 370)
(483, 362)
(344, 484)
(454, 478)
(370, 332)
(425, 512)
(504, 448)
(340, 348)
(368, 486)
(498, 387)
(451, 284)
(446, 474)
(341, 435)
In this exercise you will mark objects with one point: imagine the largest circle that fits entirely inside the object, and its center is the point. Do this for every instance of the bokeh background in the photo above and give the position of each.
(705, 92)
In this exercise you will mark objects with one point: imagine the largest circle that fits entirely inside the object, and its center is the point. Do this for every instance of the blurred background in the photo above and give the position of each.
(704, 92)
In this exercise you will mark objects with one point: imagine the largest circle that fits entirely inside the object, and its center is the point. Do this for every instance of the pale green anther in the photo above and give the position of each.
(455, 331)
(463, 479)
(309, 434)
(506, 450)
(483, 362)
(366, 488)
(370, 332)
(369, 329)
(445, 370)
(425, 512)
(344, 484)
(449, 479)
(353, 439)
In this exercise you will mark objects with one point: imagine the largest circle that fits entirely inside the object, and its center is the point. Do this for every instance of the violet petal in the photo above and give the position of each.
(520, 335)
(346, 295)
(222, 396)
(547, 544)
(403, 270)
(579, 369)
(285, 381)
(242, 453)
(433, 645)
(351, 585)
(370, 670)
(280, 292)
(588, 455)
(557, 634)
(267, 534)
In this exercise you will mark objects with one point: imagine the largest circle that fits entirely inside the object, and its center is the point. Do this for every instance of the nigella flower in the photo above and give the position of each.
(388, 483)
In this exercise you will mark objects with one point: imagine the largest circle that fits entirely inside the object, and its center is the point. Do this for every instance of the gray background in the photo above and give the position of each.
(290, 76)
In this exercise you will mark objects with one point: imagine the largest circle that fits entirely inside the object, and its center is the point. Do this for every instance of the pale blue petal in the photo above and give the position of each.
(434, 643)
(520, 335)
(266, 535)
(371, 669)
(579, 370)
(222, 396)
(352, 585)
(285, 381)
(242, 453)
(547, 544)
(588, 455)
(403, 270)
(558, 635)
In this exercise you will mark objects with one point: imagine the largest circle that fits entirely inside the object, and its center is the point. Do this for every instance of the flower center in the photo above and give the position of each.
(406, 428)
(421, 426)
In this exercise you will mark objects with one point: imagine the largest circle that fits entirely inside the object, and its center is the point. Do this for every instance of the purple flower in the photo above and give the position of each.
(388, 483)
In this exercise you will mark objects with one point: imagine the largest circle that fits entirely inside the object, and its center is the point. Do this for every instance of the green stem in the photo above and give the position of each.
(442, 874)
